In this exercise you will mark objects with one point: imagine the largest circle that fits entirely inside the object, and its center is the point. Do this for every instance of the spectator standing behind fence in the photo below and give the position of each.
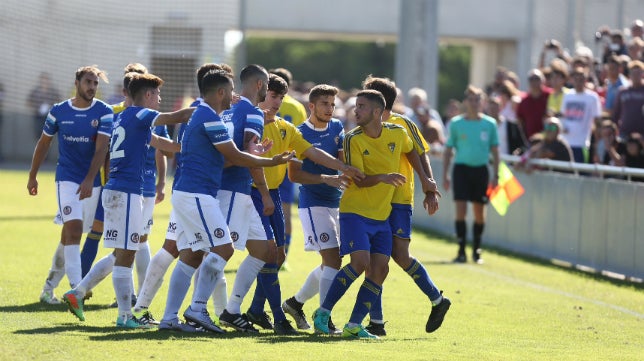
(628, 112)
(615, 80)
(634, 157)
(614, 148)
(510, 97)
(473, 135)
(553, 146)
(532, 108)
(580, 109)
(40, 100)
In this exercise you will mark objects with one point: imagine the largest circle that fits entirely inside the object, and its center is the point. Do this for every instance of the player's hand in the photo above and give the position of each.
(269, 206)
(32, 186)
(255, 148)
(494, 182)
(337, 181)
(160, 193)
(236, 98)
(353, 172)
(429, 186)
(430, 203)
(85, 189)
(395, 179)
(446, 183)
(283, 157)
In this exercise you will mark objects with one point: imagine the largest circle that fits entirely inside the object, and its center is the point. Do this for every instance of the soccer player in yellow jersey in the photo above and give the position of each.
(286, 137)
(400, 217)
(375, 148)
(294, 112)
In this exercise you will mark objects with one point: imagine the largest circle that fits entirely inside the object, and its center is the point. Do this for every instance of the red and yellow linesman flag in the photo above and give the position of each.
(507, 191)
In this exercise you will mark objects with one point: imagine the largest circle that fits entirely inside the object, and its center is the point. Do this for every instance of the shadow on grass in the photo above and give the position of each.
(596, 275)
(43, 307)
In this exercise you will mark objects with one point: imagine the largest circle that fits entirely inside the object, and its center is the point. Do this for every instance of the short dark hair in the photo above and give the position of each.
(93, 69)
(215, 79)
(127, 78)
(252, 72)
(284, 74)
(202, 71)
(136, 68)
(373, 96)
(143, 82)
(385, 86)
(322, 90)
(277, 84)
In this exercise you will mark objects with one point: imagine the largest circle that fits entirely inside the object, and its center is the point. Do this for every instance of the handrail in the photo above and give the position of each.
(599, 169)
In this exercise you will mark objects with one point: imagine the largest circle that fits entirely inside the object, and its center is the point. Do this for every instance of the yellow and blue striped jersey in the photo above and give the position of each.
(374, 156)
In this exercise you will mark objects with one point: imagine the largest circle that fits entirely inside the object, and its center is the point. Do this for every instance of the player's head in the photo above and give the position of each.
(385, 86)
(127, 78)
(322, 102)
(370, 105)
(277, 89)
(87, 81)
(135, 68)
(217, 85)
(284, 74)
(145, 90)
(254, 80)
(201, 72)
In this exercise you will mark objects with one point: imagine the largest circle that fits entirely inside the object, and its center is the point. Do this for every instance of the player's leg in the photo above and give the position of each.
(287, 196)
(461, 195)
(90, 246)
(55, 275)
(479, 200)
(142, 258)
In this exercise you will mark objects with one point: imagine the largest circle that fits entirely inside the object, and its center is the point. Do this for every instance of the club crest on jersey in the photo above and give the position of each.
(337, 140)
(391, 146)
(134, 238)
(67, 210)
(219, 233)
(283, 133)
(94, 123)
(234, 236)
(324, 237)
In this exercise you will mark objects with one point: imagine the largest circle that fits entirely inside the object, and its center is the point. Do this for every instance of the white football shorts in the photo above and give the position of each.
(243, 220)
(202, 224)
(321, 226)
(70, 207)
(123, 225)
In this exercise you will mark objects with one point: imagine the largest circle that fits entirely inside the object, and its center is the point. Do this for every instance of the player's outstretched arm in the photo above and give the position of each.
(319, 156)
(165, 145)
(242, 159)
(40, 152)
(297, 175)
(395, 179)
(180, 116)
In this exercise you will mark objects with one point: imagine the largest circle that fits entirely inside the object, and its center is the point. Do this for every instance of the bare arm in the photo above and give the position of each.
(40, 152)
(448, 154)
(323, 158)
(180, 116)
(297, 175)
(162, 166)
(495, 166)
(164, 145)
(395, 179)
(98, 160)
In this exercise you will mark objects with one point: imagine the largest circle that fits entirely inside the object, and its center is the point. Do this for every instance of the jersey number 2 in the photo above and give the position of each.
(118, 136)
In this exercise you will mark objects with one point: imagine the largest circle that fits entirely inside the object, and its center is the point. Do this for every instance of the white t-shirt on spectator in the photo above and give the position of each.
(579, 111)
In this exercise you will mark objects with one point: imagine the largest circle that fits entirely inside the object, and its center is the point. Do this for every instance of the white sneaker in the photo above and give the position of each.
(49, 298)
(201, 319)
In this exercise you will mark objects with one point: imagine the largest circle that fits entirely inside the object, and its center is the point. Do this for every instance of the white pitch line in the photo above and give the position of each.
(556, 291)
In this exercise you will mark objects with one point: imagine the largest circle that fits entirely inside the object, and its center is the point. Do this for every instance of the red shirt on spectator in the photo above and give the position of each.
(532, 110)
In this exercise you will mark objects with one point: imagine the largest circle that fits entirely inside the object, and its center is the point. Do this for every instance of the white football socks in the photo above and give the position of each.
(57, 270)
(142, 262)
(209, 271)
(177, 289)
(96, 274)
(310, 287)
(73, 264)
(122, 279)
(246, 275)
(159, 265)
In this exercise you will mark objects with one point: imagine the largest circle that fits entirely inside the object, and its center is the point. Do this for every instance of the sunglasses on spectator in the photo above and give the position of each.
(551, 127)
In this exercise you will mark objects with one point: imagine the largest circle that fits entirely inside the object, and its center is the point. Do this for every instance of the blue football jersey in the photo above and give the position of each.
(201, 163)
(77, 130)
(150, 170)
(177, 156)
(129, 147)
(329, 140)
(241, 118)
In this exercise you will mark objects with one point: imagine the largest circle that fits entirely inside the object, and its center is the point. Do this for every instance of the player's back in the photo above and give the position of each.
(129, 148)
(292, 111)
(202, 163)
(77, 130)
(241, 118)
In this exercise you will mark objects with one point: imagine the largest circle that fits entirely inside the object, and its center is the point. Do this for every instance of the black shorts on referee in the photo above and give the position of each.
(470, 183)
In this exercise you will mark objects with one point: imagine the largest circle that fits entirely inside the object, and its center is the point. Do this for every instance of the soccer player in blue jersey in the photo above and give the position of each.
(204, 240)
(122, 194)
(83, 126)
(400, 217)
(161, 261)
(319, 201)
(285, 137)
(365, 206)
(90, 246)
